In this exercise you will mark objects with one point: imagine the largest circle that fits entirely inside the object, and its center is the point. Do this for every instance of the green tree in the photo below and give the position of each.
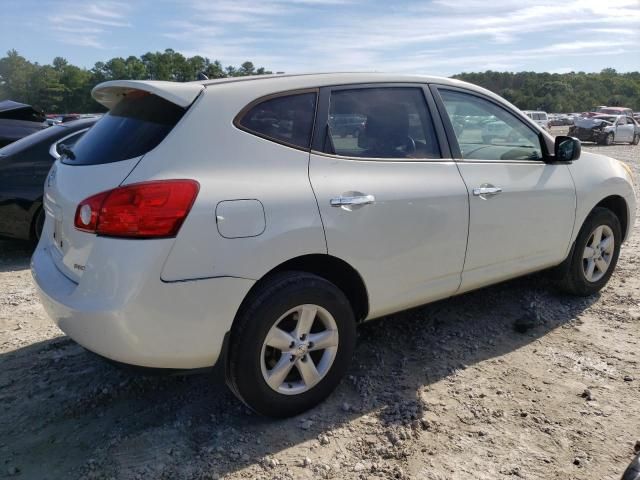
(568, 92)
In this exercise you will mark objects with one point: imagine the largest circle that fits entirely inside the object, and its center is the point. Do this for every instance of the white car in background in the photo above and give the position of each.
(541, 118)
(224, 220)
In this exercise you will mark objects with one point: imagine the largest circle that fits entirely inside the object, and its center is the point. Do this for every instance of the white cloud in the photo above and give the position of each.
(319, 35)
(85, 24)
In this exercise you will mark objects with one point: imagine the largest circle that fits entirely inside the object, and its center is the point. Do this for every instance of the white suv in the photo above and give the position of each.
(234, 221)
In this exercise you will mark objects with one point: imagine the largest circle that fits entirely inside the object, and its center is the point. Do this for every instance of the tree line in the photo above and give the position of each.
(565, 92)
(65, 88)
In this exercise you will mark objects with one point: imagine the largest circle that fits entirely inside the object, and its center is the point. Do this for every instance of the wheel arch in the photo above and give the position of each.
(617, 205)
(331, 268)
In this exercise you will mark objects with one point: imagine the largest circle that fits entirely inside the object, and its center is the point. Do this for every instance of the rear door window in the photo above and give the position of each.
(136, 125)
(284, 119)
(387, 122)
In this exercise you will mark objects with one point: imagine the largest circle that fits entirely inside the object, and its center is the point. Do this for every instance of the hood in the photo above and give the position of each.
(181, 94)
(590, 122)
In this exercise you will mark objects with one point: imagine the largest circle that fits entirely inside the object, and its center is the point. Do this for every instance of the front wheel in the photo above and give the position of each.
(595, 254)
(636, 139)
(608, 140)
(291, 344)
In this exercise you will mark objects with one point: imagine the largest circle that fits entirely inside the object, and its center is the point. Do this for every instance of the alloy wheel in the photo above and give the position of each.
(598, 253)
(299, 349)
(609, 139)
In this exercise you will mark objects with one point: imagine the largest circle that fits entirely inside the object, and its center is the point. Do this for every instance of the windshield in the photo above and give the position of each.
(608, 119)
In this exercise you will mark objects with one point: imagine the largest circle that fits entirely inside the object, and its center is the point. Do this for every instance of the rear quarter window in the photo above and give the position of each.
(284, 119)
(136, 125)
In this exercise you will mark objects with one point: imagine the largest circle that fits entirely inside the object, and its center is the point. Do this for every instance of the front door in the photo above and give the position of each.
(391, 206)
(521, 209)
(624, 130)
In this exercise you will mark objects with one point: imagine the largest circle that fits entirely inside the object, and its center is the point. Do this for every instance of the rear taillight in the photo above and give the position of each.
(141, 210)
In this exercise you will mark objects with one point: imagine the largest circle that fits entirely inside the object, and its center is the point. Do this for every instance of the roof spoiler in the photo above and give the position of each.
(181, 94)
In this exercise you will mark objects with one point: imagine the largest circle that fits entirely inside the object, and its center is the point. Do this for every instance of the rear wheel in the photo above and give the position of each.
(291, 344)
(595, 254)
(38, 225)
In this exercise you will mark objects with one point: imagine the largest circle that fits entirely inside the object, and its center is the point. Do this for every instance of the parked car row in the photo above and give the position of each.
(604, 125)
(55, 118)
(562, 119)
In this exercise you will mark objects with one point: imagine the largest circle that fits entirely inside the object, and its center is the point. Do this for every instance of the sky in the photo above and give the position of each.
(437, 37)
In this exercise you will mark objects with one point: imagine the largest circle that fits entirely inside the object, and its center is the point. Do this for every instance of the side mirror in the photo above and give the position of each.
(567, 149)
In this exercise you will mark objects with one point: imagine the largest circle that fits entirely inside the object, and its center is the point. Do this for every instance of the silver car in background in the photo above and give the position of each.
(606, 129)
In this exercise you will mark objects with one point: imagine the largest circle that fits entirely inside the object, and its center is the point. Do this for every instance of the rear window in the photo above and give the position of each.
(286, 119)
(136, 125)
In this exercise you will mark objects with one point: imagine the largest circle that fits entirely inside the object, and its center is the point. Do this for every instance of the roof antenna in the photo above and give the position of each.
(202, 76)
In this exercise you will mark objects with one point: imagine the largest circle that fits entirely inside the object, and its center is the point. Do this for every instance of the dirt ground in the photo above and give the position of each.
(446, 391)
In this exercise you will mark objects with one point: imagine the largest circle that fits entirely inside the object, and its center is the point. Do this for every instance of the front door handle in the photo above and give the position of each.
(486, 190)
(350, 201)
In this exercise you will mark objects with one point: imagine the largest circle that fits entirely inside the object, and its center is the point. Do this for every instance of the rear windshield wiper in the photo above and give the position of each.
(67, 152)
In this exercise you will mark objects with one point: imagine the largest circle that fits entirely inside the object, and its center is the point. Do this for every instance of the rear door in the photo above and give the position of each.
(100, 160)
(521, 209)
(392, 201)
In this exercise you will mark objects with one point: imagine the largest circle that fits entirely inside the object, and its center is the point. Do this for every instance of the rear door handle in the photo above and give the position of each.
(486, 191)
(343, 201)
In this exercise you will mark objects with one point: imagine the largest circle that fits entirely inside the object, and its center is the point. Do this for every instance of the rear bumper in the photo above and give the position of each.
(123, 311)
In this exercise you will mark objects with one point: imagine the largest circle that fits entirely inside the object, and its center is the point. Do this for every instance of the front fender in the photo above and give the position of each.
(597, 177)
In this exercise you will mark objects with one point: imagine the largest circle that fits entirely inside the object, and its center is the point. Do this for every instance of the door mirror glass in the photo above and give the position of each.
(567, 149)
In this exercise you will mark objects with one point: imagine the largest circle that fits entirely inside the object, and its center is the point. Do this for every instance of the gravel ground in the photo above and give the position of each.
(446, 391)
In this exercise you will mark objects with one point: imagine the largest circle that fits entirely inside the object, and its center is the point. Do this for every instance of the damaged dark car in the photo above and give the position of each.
(18, 120)
(606, 129)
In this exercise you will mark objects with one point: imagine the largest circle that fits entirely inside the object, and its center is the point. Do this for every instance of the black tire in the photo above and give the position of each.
(573, 279)
(609, 139)
(633, 470)
(636, 139)
(38, 224)
(279, 294)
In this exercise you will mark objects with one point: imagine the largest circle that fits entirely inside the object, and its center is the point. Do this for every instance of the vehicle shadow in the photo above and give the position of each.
(15, 255)
(68, 413)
